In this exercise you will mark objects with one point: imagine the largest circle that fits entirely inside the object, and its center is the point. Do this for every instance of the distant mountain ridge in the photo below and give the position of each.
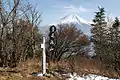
(80, 23)
(72, 18)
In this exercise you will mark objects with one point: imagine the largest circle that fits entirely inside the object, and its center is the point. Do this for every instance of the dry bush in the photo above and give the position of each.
(24, 70)
(82, 65)
(30, 66)
(19, 36)
(61, 66)
(68, 39)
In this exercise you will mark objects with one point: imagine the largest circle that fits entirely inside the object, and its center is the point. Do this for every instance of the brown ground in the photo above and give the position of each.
(81, 65)
(23, 72)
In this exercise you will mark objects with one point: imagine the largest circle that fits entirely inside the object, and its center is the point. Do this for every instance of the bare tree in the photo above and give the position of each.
(17, 31)
(69, 40)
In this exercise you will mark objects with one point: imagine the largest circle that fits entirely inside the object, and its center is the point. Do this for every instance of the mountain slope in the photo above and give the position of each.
(84, 26)
(80, 23)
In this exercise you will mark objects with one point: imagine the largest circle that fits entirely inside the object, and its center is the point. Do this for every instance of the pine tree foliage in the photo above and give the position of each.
(114, 46)
(107, 40)
(98, 30)
(99, 17)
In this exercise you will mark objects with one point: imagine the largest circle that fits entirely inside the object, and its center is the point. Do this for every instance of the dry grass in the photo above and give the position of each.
(23, 71)
(83, 66)
(79, 64)
(30, 66)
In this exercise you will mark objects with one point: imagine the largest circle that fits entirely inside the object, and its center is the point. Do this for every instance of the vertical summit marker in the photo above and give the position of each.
(44, 57)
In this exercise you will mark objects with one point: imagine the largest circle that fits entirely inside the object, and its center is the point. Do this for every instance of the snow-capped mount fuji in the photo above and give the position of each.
(72, 18)
(80, 23)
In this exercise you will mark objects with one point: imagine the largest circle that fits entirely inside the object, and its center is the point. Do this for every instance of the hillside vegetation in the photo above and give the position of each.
(21, 53)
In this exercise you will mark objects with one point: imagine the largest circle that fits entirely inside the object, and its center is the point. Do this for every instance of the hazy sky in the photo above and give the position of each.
(53, 10)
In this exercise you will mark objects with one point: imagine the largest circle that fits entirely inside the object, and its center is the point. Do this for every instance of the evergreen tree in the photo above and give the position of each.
(107, 41)
(115, 29)
(116, 23)
(99, 17)
(115, 45)
(99, 31)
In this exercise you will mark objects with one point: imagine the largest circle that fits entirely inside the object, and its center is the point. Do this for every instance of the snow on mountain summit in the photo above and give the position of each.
(80, 23)
(72, 18)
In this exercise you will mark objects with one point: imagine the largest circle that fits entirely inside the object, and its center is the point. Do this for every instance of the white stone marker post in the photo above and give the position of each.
(43, 57)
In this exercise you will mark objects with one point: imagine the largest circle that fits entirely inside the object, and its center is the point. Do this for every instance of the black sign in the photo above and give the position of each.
(52, 41)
